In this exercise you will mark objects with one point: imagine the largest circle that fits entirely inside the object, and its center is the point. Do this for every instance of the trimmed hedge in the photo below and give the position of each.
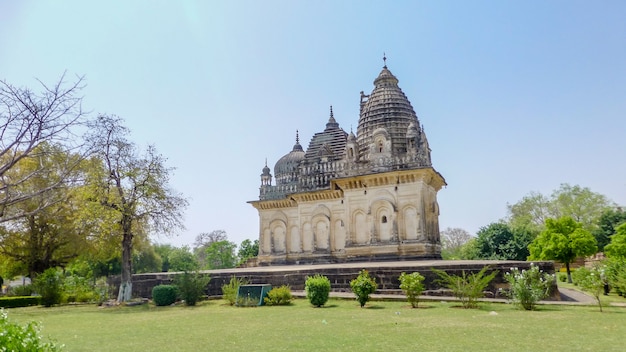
(164, 295)
(19, 301)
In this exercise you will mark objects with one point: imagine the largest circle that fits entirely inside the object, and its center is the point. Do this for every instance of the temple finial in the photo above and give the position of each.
(266, 162)
(331, 111)
(297, 137)
(384, 60)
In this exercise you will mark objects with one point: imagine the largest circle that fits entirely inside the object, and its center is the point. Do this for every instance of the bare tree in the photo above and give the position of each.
(204, 241)
(133, 189)
(28, 119)
(452, 240)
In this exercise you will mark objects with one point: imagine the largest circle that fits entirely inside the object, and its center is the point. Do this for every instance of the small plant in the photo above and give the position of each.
(229, 290)
(592, 281)
(14, 337)
(527, 287)
(616, 275)
(413, 286)
(21, 290)
(279, 296)
(363, 286)
(101, 289)
(467, 288)
(317, 289)
(164, 295)
(191, 287)
(562, 277)
(49, 285)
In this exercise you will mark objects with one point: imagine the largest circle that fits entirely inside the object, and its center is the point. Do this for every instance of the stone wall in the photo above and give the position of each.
(340, 275)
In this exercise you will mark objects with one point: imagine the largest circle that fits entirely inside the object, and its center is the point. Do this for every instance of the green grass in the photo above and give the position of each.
(339, 326)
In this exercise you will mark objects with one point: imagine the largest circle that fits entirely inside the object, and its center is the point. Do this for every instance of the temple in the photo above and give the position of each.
(365, 197)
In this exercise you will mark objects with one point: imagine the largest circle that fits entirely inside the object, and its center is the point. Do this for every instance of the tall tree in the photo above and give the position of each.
(134, 189)
(28, 119)
(452, 240)
(577, 202)
(204, 241)
(564, 239)
(221, 255)
(617, 247)
(181, 259)
(45, 235)
(607, 224)
(581, 204)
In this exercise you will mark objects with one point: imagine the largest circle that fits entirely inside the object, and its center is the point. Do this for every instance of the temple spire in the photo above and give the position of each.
(384, 60)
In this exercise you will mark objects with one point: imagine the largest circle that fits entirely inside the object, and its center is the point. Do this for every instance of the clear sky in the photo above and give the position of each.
(515, 96)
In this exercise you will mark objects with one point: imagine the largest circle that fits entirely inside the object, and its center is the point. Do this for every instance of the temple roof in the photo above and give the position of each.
(386, 107)
(329, 143)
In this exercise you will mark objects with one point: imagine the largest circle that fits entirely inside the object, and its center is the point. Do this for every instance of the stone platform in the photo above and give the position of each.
(340, 275)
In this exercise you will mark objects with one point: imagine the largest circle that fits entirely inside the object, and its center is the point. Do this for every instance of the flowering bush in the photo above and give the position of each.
(527, 287)
(593, 281)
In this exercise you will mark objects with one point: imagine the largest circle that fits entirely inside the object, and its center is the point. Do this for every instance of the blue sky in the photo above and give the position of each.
(515, 96)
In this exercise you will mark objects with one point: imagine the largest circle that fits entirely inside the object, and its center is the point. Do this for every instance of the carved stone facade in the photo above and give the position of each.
(372, 196)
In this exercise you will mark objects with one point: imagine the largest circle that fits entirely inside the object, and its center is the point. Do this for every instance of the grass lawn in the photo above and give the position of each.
(340, 326)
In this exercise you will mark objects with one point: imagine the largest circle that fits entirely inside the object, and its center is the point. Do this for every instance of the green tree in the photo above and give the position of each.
(617, 247)
(577, 202)
(146, 259)
(47, 234)
(181, 259)
(607, 224)
(564, 239)
(531, 212)
(221, 255)
(247, 250)
(498, 241)
(133, 189)
(452, 241)
(203, 241)
(164, 251)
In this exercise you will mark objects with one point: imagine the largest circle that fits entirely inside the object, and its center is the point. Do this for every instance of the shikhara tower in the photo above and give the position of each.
(369, 196)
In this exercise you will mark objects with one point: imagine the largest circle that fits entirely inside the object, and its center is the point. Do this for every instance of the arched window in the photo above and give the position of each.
(380, 146)
(384, 219)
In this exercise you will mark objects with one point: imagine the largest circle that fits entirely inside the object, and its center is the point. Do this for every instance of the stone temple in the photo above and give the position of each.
(365, 197)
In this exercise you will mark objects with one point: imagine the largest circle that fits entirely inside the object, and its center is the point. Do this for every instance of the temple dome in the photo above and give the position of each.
(388, 108)
(330, 143)
(286, 168)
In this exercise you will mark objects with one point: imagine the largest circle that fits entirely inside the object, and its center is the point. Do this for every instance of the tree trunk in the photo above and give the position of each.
(569, 273)
(126, 285)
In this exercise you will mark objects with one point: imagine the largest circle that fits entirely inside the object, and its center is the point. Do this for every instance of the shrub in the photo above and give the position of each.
(616, 274)
(229, 291)
(164, 295)
(592, 281)
(527, 287)
(191, 286)
(279, 296)
(363, 286)
(21, 290)
(317, 289)
(101, 290)
(23, 338)
(413, 286)
(19, 301)
(49, 285)
(78, 289)
(562, 277)
(467, 288)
